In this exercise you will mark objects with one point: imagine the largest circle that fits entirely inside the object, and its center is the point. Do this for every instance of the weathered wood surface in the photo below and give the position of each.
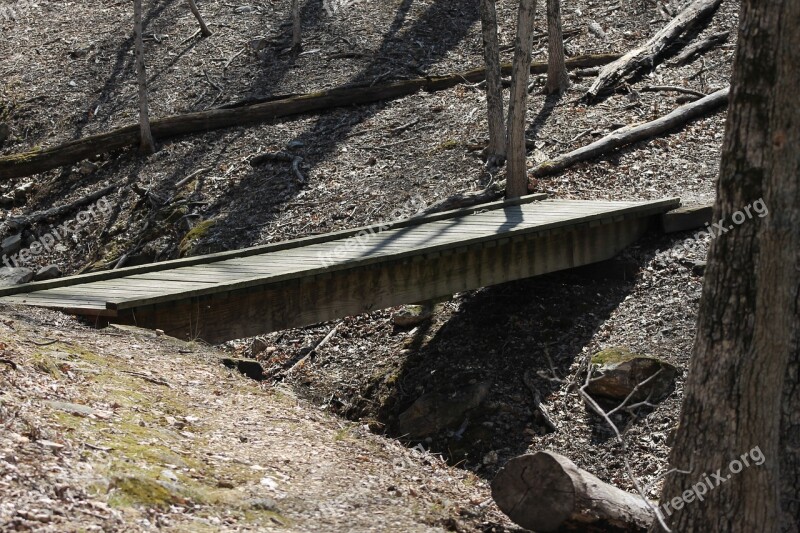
(33, 162)
(233, 296)
(546, 491)
(647, 56)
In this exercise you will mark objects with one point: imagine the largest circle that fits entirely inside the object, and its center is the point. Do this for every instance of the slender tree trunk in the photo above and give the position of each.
(742, 390)
(196, 12)
(517, 181)
(557, 78)
(296, 26)
(494, 88)
(147, 146)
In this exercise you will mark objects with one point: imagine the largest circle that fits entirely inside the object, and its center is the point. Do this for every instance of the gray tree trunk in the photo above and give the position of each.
(196, 12)
(517, 180)
(296, 26)
(742, 391)
(147, 146)
(557, 77)
(494, 88)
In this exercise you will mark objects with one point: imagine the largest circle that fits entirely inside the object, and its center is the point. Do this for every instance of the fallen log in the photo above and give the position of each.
(631, 134)
(41, 160)
(546, 491)
(647, 56)
(700, 47)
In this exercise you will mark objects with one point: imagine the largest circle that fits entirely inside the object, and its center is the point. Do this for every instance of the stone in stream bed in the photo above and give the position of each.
(617, 372)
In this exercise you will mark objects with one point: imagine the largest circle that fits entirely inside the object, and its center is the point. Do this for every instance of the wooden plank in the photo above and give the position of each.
(256, 250)
(647, 207)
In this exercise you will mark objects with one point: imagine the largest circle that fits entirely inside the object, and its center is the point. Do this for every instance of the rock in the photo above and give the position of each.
(435, 411)
(249, 367)
(48, 272)
(11, 245)
(619, 371)
(263, 504)
(15, 276)
(258, 345)
(87, 167)
(412, 315)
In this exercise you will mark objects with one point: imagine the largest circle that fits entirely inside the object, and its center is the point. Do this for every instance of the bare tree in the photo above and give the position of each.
(557, 77)
(203, 28)
(494, 89)
(147, 146)
(296, 26)
(743, 389)
(517, 176)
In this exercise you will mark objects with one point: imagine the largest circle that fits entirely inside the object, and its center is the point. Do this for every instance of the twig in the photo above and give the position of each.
(234, 56)
(400, 129)
(313, 351)
(599, 410)
(146, 377)
(673, 88)
(188, 178)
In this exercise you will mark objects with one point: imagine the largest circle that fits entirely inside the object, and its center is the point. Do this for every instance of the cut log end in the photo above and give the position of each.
(545, 491)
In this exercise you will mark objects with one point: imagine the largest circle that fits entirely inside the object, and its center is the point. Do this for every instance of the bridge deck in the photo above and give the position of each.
(160, 294)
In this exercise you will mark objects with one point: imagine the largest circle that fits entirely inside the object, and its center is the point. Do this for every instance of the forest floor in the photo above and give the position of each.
(66, 72)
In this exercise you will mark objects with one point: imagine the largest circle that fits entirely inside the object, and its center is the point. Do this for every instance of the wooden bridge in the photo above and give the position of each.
(305, 281)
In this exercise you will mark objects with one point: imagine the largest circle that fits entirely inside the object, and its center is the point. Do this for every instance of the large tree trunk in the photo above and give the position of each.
(494, 88)
(146, 144)
(742, 392)
(517, 180)
(557, 78)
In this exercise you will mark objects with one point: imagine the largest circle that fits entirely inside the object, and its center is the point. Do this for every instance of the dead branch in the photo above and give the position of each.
(196, 12)
(631, 134)
(295, 160)
(673, 88)
(17, 224)
(699, 48)
(646, 57)
(40, 160)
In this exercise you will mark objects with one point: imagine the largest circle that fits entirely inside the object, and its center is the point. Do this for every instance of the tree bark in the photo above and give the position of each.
(646, 57)
(742, 390)
(296, 26)
(146, 144)
(545, 491)
(494, 87)
(557, 78)
(250, 112)
(517, 175)
(196, 12)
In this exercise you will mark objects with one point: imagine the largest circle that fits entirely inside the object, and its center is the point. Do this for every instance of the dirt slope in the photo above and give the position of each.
(121, 430)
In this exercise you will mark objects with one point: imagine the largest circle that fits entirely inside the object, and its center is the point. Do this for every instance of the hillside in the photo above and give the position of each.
(325, 436)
